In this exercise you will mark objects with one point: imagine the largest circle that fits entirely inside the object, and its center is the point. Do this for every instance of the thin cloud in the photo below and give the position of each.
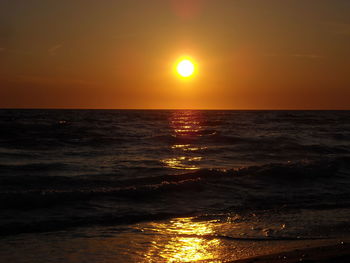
(53, 81)
(53, 50)
(309, 56)
(297, 55)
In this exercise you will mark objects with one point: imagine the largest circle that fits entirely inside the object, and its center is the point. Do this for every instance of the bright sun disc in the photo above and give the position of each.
(185, 68)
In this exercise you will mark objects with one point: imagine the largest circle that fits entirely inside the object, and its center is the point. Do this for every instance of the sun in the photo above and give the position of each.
(185, 68)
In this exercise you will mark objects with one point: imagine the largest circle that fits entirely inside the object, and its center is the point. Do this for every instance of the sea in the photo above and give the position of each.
(169, 185)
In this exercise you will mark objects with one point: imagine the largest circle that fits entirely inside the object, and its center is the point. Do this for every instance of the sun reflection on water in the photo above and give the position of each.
(189, 249)
(183, 240)
(179, 163)
(188, 147)
(186, 127)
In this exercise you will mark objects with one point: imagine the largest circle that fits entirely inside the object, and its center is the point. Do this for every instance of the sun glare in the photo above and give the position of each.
(185, 68)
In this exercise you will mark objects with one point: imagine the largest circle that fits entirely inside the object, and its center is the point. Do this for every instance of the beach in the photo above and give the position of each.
(154, 244)
(338, 253)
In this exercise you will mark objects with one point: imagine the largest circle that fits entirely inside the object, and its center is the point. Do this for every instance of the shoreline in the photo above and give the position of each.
(336, 252)
(154, 242)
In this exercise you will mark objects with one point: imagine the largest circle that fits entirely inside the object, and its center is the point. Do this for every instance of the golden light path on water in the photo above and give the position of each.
(192, 240)
(185, 241)
(186, 127)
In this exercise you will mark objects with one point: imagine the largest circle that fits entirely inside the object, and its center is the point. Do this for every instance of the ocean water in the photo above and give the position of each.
(163, 185)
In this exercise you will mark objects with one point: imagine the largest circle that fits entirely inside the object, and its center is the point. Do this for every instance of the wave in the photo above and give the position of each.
(56, 166)
(275, 187)
(73, 222)
(18, 192)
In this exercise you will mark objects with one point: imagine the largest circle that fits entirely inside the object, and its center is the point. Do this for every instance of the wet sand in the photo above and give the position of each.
(336, 253)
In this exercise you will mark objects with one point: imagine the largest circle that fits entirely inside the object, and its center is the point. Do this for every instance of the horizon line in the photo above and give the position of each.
(199, 109)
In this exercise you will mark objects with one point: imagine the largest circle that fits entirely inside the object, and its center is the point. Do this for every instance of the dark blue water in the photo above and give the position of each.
(67, 169)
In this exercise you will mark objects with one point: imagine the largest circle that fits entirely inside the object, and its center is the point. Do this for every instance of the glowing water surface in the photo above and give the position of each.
(186, 126)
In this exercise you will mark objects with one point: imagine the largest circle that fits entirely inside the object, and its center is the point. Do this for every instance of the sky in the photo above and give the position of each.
(249, 54)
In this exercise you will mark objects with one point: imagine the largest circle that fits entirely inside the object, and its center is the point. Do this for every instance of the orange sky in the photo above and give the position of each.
(252, 54)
